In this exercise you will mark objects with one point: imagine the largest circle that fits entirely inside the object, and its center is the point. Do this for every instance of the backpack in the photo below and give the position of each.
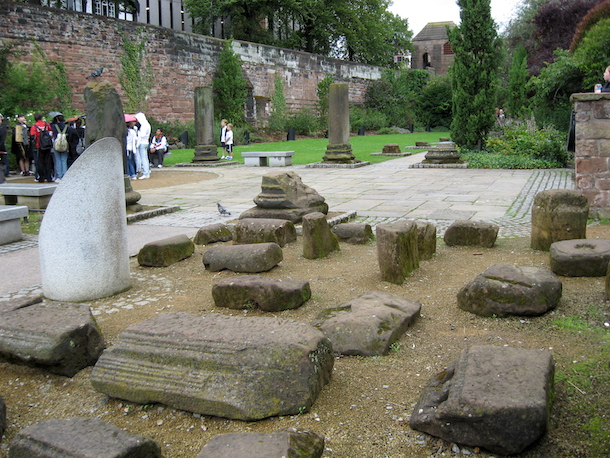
(46, 142)
(61, 141)
(25, 135)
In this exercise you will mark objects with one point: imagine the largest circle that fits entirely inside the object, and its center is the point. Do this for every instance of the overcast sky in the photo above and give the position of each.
(420, 12)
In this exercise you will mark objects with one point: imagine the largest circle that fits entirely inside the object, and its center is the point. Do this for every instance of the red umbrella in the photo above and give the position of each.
(129, 118)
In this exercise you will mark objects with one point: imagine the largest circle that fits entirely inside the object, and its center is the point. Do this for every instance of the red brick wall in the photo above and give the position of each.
(181, 61)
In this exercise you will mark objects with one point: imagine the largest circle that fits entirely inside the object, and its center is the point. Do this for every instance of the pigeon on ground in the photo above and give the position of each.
(96, 73)
(222, 210)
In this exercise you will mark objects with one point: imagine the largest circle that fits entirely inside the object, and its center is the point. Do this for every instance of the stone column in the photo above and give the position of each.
(592, 156)
(204, 126)
(339, 149)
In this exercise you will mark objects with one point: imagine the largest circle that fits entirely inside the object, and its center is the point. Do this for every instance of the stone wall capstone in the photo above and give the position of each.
(181, 61)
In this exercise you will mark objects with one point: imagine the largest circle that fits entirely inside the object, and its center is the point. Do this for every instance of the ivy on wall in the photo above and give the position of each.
(136, 74)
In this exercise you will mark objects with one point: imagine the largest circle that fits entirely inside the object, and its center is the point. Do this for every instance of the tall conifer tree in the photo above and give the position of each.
(474, 74)
(229, 86)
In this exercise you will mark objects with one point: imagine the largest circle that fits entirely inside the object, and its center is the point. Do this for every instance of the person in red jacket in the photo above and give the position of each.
(42, 142)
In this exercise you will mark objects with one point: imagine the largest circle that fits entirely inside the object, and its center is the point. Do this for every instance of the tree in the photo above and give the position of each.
(517, 81)
(474, 74)
(433, 106)
(229, 86)
(279, 112)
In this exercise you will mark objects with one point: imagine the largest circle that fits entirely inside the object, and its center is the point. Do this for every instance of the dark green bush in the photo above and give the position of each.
(173, 129)
(485, 160)
(387, 131)
(370, 119)
(305, 122)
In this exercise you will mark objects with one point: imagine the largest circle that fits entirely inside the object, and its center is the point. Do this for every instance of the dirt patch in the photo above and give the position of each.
(364, 410)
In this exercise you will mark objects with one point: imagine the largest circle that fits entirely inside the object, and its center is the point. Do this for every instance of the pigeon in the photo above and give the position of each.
(222, 210)
(96, 73)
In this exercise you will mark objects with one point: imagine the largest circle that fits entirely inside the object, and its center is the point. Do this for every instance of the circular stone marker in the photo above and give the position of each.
(580, 257)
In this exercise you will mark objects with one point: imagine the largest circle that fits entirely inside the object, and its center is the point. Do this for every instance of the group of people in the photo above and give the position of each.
(43, 149)
(143, 153)
(226, 139)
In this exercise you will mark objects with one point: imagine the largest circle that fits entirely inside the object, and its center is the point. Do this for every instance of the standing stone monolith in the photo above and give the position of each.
(204, 126)
(397, 250)
(83, 236)
(104, 114)
(339, 150)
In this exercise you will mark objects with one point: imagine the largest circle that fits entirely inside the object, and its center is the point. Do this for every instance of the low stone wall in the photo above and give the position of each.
(592, 156)
(181, 61)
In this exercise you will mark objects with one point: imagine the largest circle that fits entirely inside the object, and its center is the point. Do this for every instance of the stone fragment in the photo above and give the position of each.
(2, 417)
(471, 233)
(258, 292)
(318, 240)
(253, 258)
(244, 368)
(353, 233)
(558, 214)
(504, 289)
(368, 324)
(165, 252)
(212, 234)
(205, 150)
(105, 116)
(580, 258)
(93, 262)
(288, 442)
(426, 240)
(339, 150)
(442, 153)
(397, 251)
(260, 230)
(496, 398)
(61, 337)
(80, 437)
(285, 196)
(19, 303)
(390, 148)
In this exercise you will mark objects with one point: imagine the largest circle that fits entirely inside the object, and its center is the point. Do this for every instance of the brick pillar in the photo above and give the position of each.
(592, 156)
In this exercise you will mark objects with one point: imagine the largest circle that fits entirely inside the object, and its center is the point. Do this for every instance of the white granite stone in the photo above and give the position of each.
(83, 236)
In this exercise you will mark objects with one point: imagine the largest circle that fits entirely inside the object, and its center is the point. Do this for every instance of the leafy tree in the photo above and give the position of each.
(517, 81)
(279, 112)
(433, 106)
(474, 74)
(601, 11)
(322, 104)
(229, 86)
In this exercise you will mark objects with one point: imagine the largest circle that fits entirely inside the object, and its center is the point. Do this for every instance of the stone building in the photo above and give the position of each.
(431, 49)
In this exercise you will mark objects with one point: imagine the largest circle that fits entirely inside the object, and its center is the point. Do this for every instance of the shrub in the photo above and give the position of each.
(387, 131)
(485, 160)
(305, 122)
(371, 119)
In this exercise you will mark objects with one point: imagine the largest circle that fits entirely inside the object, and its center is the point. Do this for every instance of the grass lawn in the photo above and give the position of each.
(312, 150)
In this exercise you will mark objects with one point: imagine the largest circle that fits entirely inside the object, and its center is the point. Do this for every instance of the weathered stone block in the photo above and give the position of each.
(63, 338)
(353, 232)
(397, 251)
(496, 398)
(318, 240)
(253, 258)
(80, 437)
(368, 324)
(255, 291)
(244, 368)
(261, 230)
(505, 289)
(471, 233)
(213, 233)
(558, 214)
(580, 258)
(165, 252)
(391, 148)
(289, 442)
(19, 303)
(426, 240)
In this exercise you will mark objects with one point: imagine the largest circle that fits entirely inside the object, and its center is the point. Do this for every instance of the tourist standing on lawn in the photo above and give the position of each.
(223, 136)
(41, 132)
(229, 142)
(21, 145)
(143, 142)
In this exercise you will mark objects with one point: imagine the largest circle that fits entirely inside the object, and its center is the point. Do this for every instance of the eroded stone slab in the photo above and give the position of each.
(471, 233)
(244, 368)
(353, 233)
(80, 437)
(60, 337)
(496, 398)
(19, 303)
(253, 258)
(288, 442)
(426, 240)
(165, 252)
(261, 230)
(258, 292)
(580, 258)
(213, 233)
(397, 250)
(318, 240)
(504, 289)
(368, 324)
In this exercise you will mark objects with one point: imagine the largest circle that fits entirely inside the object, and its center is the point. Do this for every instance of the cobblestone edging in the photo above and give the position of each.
(324, 165)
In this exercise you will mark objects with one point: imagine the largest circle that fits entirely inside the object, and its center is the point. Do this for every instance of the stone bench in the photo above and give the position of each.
(10, 223)
(268, 158)
(35, 196)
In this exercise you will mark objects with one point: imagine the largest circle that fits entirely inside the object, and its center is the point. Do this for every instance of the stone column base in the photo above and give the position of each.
(205, 153)
(341, 152)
